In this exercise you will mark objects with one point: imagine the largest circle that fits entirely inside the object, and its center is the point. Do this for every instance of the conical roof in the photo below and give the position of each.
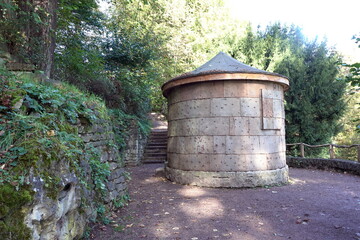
(223, 63)
(224, 67)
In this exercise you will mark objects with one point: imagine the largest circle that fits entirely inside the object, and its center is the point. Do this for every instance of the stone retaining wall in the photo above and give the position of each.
(62, 209)
(325, 164)
(100, 136)
(66, 215)
(135, 147)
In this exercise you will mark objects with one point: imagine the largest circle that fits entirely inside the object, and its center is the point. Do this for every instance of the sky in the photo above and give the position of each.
(337, 21)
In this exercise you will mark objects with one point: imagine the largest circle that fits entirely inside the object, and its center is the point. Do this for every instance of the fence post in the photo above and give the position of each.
(302, 150)
(331, 151)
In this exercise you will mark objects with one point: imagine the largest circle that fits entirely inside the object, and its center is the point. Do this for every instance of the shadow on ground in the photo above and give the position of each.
(315, 205)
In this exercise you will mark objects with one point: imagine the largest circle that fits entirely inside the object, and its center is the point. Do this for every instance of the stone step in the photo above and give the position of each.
(154, 160)
(157, 141)
(156, 145)
(163, 155)
(156, 148)
(164, 148)
(162, 133)
(158, 132)
(151, 138)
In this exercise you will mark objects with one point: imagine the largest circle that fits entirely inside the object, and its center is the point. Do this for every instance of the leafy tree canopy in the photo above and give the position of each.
(314, 102)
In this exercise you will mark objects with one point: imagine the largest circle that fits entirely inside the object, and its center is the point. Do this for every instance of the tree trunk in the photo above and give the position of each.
(30, 32)
(46, 34)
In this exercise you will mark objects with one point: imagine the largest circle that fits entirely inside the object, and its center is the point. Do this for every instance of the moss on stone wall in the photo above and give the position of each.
(56, 144)
(39, 139)
(12, 204)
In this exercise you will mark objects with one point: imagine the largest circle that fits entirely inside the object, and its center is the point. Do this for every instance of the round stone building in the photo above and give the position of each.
(226, 126)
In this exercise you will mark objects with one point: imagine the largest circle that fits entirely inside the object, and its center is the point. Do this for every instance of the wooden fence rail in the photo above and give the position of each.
(330, 146)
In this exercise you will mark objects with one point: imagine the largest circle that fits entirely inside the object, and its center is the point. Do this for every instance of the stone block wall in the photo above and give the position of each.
(226, 126)
(136, 142)
(99, 136)
(65, 216)
(341, 165)
(62, 210)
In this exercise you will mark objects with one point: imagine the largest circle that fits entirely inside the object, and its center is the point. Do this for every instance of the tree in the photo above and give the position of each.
(314, 102)
(27, 28)
(183, 34)
(354, 79)
(354, 72)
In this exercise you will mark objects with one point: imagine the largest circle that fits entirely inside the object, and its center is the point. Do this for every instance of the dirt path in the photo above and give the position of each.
(316, 205)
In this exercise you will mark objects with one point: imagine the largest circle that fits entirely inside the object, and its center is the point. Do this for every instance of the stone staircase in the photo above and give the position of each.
(155, 150)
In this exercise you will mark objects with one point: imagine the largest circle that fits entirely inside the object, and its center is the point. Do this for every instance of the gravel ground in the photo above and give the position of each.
(316, 204)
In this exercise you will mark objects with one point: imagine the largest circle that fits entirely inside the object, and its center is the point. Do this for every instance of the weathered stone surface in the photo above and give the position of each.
(199, 126)
(243, 89)
(135, 147)
(199, 144)
(274, 93)
(249, 126)
(242, 144)
(189, 109)
(219, 144)
(237, 90)
(276, 160)
(56, 218)
(226, 132)
(116, 173)
(250, 107)
(62, 218)
(278, 109)
(229, 179)
(198, 91)
(325, 164)
(225, 107)
(269, 144)
(267, 108)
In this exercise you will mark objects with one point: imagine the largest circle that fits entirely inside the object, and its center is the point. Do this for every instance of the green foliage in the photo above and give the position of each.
(78, 57)
(121, 201)
(172, 36)
(94, 55)
(353, 78)
(25, 30)
(36, 130)
(12, 202)
(99, 174)
(314, 102)
(122, 123)
(99, 171)
(354, 70)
